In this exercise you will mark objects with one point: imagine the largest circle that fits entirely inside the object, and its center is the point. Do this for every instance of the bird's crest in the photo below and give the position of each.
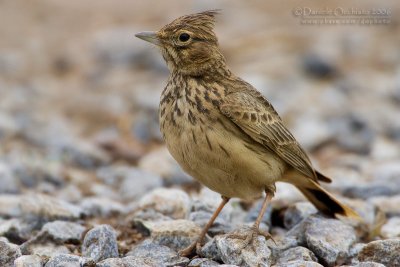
(202, 23)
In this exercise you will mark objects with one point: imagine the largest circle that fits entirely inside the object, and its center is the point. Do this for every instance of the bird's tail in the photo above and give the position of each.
(324, 201)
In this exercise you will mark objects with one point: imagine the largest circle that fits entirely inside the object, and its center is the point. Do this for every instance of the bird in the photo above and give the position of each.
(222, 131)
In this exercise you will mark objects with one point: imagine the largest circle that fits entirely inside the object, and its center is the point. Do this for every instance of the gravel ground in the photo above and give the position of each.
(85, 179)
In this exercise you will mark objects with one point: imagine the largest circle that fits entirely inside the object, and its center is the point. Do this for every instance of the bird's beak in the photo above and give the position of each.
(150, 37)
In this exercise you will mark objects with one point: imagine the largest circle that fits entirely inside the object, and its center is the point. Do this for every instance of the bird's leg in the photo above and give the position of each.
(195, 246)
(255, 229)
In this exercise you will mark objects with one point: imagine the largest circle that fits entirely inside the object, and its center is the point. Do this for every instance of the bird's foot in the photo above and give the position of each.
(191, 250)
(249, 237)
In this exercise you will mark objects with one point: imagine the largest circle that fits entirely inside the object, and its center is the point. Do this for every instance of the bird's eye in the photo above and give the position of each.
(184, 37)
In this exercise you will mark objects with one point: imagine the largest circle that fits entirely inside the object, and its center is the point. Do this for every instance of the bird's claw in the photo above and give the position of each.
(249, 238)
(191, 250)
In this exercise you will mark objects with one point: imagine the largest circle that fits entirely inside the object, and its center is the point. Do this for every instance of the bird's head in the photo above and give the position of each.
(188, 44)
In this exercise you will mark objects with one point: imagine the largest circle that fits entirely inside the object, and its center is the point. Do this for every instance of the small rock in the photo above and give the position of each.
(170, 202)
(203, 262)
(45, 250)
(391, 229)
(64, 232)
(297, 212)
(16, 230)
(29, 261)
(365, 264)
(232, 252)
(100, 243)
(69, 260)
(355, 249)
(162, 254)
(382, 251)
(210, 250)
(283, 244)
(329, 239)
(176, 234)
(8, 183)
(296, 254)
(101, 207)
(8, 253)
(299, 264)
(129, 261)
(140, 216)
(38, 208)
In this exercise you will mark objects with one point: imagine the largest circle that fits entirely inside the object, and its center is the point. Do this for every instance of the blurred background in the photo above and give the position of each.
(79, 93)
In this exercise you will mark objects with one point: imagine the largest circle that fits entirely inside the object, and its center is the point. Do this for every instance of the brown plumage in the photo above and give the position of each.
(221, 130)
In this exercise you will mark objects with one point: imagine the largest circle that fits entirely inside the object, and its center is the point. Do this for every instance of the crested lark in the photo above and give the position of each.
(222, 131)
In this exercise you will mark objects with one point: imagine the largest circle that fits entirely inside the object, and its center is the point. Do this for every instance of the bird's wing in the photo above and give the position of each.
(257, 118)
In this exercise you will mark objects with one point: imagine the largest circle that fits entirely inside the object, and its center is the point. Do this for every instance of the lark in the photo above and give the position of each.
(222, 131)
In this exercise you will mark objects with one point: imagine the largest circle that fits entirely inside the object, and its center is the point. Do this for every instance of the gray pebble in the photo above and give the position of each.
(210, 250)
(8, 253)
(162, 254)
(297, 212)
(203, 262)
(29, 261)
(16, 230)
(35, 247)
(101, 207)
(329, 239)
(365, 264)
(100, 243)
(64, 232)
(38, 208)
(176, 234)
(382, 251)
(296, 254)
(129, 261)
(66, 260)
(257, 253)
(174, 203)
(299, 264)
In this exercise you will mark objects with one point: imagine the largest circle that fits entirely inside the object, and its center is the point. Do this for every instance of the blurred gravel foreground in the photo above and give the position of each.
(85, 179)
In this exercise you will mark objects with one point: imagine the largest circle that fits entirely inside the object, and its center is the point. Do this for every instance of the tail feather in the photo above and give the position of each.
(325, 202)
(323, 178)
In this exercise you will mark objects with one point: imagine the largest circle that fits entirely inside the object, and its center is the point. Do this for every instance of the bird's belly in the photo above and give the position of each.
(227, 162)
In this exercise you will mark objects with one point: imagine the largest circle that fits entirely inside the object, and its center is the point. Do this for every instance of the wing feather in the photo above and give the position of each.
(250, 111)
